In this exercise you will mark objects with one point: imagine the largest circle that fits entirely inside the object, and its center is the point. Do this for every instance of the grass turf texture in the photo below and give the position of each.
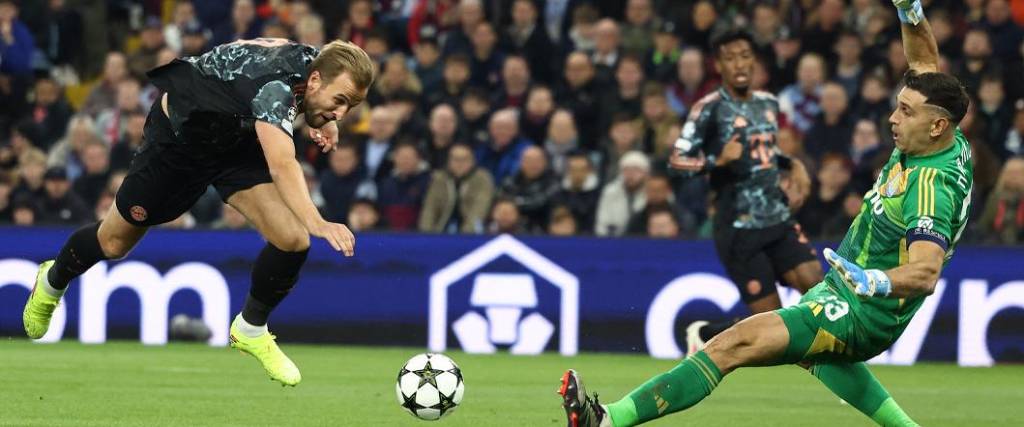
(127, 384)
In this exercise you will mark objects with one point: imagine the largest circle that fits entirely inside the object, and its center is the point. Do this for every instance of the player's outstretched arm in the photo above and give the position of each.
(918, 41)
(921, 272)
(291, 184)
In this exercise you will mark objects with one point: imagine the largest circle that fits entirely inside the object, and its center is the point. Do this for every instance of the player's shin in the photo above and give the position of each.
(273, 275)
(855, 384)
(680, 388)
(81, 251)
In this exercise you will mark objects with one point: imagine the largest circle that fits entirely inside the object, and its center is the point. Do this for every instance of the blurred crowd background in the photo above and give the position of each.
(511, 116)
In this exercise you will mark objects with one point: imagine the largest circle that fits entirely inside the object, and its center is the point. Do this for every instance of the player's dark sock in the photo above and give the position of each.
(678, 389)
(710, 330)
(273, 276)
(855, 384)
(80, 252)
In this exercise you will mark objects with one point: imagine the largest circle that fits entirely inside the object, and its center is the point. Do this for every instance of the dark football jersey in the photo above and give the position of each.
(747, 190)
(216, 98)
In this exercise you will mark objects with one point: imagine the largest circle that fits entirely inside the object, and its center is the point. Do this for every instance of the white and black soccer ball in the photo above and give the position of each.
(430, 386)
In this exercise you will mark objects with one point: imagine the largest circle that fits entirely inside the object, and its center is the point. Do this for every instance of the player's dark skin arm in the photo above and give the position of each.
(920, 48)
(291, 184)
(921, 272)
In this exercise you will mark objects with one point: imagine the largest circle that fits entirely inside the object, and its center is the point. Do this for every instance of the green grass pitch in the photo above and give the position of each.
(127, 384)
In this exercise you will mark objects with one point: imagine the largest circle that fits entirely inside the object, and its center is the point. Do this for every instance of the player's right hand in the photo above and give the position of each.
(338, 235)
(909, 11)
(863, 282)
(732, 150)
(684, 163)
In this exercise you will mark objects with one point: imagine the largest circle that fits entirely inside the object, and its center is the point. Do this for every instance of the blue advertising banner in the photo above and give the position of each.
(482, 294)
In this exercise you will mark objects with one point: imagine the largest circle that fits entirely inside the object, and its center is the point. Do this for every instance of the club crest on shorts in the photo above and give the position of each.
(138, 213)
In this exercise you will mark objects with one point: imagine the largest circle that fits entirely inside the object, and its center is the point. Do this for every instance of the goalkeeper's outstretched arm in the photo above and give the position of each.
(918, 41)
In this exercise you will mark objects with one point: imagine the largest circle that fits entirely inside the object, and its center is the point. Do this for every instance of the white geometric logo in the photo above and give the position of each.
(504, 298)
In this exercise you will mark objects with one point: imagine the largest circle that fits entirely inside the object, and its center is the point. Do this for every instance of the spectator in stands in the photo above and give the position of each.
(995, 114)
(16, 42)
(1015, 137)
(59, 34)
(131, 141)
(580, 96)
(486, 59)
(702, 23)
(562, 222)
(95, 172)
(6, 190)
(785, 55)
(443, 128)
(429, 18)
(193, 40)
(691, 81)
(662, 59)
(49, 114)
(539, 106)
(833, 126)
(151, 40)
(658, 122)
(505, 218)
(607, 39)
(343, 181)
(104, 94)
(581, 32)
(765, 25)
(411, 123)
(112, 122)
(827, 198)
(500, 156)
(364, 216)
(580, 191)
(624, 196)
(626, 98)
(378, 45)
(184, 15)
(532, 189)
(662, 224)
(623, 137)
(865, 152)
(427, 65)
(874, 101)
(59, 205)
(515, 82)
(530, 40)
(562, 139)
(848, 69)
(401, 194)
(24, 211)
(976, 61)
(81, 130)
(275, 29)
(476, 116)
(377, 154)
(1003, 218)
(638, 30)
(455, 76)
(470, 14)
(658, 197)
(1006, 34)
(310, 30)
(243, 25)
(459, 196)
(823, 28)
(799, 101)
(395, 77)
(32, 167)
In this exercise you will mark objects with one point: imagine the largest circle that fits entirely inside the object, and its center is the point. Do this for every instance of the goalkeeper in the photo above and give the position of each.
(887, 264)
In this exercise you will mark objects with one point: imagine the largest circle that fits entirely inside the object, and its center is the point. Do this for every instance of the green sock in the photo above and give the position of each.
(673, 391)
(855, 384)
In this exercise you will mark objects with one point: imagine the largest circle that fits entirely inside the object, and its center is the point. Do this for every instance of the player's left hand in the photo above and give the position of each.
(326, 137)
(863, 282)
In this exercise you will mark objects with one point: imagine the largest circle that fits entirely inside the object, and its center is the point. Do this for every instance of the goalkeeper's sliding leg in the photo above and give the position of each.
(816, 333)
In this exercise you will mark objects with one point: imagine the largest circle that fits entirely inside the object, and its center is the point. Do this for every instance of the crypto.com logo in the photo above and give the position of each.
(504, 297)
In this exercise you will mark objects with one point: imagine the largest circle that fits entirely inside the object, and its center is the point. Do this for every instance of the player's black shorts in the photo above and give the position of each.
(755, 258)
(167, 176)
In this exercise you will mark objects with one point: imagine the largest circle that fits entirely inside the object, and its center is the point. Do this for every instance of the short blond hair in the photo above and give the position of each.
(339, 57)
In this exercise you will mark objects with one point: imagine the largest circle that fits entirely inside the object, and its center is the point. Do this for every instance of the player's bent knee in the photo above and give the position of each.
(292, 241)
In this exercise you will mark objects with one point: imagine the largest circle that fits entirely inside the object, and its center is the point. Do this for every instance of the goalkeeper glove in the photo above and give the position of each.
(863, 282)
(909, 11)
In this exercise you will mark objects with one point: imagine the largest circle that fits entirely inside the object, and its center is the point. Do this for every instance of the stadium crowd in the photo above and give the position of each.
(512, 116)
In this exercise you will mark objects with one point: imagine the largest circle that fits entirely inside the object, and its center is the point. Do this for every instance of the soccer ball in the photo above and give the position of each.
(430, 386)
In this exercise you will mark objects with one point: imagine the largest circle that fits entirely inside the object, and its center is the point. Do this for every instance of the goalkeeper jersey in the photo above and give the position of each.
(914, 198)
